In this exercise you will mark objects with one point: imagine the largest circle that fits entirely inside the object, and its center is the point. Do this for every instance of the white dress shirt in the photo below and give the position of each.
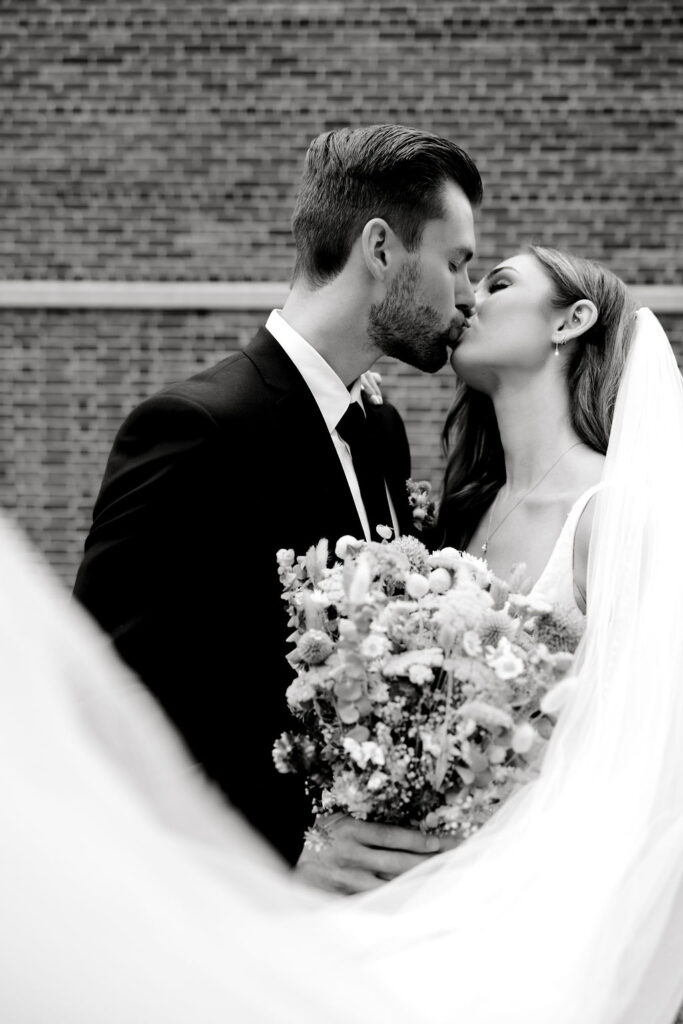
(332, 398)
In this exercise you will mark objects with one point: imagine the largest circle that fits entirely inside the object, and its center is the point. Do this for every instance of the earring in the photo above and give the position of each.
(557, 348)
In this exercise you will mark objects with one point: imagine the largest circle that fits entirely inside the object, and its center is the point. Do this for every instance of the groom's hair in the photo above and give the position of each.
(385, 170)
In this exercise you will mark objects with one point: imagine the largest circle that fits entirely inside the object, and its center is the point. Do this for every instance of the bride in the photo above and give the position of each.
(568, 906)
(127, 886)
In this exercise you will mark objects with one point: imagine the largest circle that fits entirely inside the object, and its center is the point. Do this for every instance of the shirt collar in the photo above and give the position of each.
(332, 396)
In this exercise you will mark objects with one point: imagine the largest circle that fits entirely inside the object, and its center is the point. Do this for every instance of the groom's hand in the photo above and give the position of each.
(359, 855)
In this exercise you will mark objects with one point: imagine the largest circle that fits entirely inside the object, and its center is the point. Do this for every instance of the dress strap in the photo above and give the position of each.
(556, 582)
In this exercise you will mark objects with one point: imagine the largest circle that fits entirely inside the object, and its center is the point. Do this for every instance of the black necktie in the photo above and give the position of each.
(353, 427)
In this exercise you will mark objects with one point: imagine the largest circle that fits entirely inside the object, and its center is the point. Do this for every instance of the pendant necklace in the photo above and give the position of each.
(489, 532)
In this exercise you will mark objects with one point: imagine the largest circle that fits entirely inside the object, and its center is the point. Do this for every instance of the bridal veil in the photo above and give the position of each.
(129, 890)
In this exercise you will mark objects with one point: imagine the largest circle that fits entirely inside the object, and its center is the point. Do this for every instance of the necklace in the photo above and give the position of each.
(489, 533)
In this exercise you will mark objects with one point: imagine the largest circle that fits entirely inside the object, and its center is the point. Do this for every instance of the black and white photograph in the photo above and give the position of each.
(341, 512)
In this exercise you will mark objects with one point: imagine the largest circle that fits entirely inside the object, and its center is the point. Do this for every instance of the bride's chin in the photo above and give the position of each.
(474, 375)
(461, 364)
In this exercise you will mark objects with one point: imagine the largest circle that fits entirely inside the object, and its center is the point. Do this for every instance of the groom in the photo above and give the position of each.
(276, 447)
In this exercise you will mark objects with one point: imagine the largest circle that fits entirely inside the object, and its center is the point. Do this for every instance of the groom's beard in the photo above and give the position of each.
(402, 327)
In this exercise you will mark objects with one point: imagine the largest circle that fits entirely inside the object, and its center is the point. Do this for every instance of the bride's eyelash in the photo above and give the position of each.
(497, 284)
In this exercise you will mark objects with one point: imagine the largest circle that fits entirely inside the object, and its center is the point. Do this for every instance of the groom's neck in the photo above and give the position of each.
(332, 319)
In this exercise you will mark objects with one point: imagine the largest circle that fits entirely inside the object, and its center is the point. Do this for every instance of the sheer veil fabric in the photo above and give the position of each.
(568, 905)
(131, 892)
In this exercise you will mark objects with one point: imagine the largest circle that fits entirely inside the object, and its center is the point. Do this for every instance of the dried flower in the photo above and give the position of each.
(346, 545)
(439, 581)
(415, 551)
(417, 585)
(504, 661)
(314, 647)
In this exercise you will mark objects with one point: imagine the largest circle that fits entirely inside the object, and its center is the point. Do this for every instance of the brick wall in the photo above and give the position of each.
(164, 142)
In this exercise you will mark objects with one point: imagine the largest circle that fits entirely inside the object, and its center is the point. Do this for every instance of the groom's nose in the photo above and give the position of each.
(464, 298)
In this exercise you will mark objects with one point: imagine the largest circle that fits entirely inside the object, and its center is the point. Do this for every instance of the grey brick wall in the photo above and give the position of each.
(164, 142)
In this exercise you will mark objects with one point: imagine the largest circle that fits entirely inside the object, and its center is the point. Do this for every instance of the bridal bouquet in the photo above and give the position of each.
(425, 690)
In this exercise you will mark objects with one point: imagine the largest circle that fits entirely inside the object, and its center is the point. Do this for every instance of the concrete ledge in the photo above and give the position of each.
(211, 295)
(190, 295)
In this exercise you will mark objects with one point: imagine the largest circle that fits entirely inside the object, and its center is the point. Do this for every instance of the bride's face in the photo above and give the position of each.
(511, 329)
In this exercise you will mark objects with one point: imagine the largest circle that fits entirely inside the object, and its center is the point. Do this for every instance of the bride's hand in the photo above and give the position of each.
(370, 383)
(361, 855)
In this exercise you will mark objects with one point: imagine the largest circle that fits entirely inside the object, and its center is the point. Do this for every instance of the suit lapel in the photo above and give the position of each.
(325, 506)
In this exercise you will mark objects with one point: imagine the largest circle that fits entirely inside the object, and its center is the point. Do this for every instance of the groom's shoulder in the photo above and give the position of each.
(230, 389)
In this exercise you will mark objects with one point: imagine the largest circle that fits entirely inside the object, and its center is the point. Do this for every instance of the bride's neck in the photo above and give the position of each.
(535, 429)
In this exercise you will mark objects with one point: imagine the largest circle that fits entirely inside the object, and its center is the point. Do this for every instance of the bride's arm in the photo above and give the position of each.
(581, 546)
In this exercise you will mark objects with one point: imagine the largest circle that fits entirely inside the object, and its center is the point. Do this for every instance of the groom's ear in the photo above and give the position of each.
(575, 320)
(380, 247)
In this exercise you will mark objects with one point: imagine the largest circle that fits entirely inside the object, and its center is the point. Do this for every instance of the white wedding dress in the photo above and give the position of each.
(129, 891)
(556, 582)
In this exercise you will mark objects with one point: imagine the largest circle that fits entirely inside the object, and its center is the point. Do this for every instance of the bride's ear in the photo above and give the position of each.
(576, 320)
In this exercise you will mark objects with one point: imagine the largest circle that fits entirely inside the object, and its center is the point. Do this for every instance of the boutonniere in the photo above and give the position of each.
(422, 504)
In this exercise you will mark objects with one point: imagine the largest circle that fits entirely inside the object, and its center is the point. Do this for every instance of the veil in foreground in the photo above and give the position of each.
(129, 890)
(568, 905)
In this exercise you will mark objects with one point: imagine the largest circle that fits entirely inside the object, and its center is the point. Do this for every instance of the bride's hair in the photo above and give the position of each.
(475, 470)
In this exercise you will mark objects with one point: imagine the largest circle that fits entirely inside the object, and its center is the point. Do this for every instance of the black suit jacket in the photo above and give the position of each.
(205, 482)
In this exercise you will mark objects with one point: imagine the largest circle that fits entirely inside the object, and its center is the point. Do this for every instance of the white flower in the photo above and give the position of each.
(347, 629)
(420, 674)
(446, 558)
(345, 545)
(376, 781)
(481, 574)
(400, 664)
(385, 532)
(364, 753)
(530, 604)
(361, 579)
(379, 693)
(556, 699)
(285, 557)
(347, 793)
(523, 738)
(471, 644)
(487, 715)
(314, 647)
(375, 646)
(463, 607)
(439, 581)
(300, 691)
(504, 662)
(430, 744)
(332, 586)
(417, 586)
(496, 754)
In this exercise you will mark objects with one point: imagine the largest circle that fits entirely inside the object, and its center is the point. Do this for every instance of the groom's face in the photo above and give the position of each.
(429, 297)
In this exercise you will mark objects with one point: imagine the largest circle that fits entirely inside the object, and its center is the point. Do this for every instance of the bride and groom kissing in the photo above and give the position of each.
(277, 446)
